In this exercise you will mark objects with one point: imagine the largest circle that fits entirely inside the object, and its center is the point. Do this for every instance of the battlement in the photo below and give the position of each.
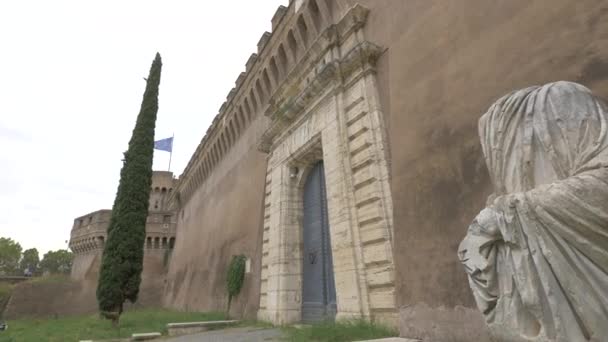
(89, 232)
(163, 184)
(160, 231)
(163, 180)
(92, 220)
(294, 30)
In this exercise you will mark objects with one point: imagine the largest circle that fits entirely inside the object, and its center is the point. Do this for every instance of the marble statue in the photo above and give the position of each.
(537, 255)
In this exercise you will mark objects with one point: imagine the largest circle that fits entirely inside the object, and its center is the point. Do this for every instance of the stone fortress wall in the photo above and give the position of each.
(390, 91)
(89, 234)
(445, 63)
(441, 64)
(221, 197)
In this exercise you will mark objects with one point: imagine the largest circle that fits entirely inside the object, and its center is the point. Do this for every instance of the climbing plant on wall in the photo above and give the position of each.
(235, 277)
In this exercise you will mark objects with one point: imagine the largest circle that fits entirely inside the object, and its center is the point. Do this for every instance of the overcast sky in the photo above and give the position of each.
(71, 84)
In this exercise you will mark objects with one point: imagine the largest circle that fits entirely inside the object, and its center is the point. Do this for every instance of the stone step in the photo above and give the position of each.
(145, 336)
(391, 339)
(194, 327)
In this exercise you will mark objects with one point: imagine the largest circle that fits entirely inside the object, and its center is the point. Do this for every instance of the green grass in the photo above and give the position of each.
(253, 323)
(77, 328)
(337, 332)
(51, 278)
(5, 294)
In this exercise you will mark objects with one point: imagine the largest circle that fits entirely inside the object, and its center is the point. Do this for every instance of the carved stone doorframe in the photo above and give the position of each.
(334, 116)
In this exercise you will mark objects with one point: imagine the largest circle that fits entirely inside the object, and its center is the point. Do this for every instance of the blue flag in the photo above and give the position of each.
(164, 144)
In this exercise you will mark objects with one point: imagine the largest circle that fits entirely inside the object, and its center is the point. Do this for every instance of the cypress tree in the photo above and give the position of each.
(122, 261)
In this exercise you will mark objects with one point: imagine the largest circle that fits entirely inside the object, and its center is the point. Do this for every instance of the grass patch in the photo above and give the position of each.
(78, 328)
(51, 278)
(255, 324)
(5, 295)
(338, 332)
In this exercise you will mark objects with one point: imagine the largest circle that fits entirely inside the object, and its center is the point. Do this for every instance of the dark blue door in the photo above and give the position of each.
(318, 287)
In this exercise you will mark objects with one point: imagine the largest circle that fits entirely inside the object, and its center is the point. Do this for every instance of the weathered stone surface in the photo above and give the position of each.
(241, 334)
(145, 336)
(442, 62)
(433, 324)
(391, 339)
(337, 120)
(537, 255)
(87, 241)
(195, 327)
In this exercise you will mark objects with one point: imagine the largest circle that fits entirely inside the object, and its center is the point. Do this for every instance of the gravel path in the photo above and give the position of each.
(232, 335)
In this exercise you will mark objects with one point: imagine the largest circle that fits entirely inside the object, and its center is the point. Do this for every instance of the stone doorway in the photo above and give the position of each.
(334, 117)
(318, 285)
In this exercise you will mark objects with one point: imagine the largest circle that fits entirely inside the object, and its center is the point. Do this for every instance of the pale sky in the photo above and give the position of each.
(71, 84)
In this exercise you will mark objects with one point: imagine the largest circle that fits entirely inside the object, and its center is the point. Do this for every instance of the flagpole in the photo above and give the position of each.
(171, 153)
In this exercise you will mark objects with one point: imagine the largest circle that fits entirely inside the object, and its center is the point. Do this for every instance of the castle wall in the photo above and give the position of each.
(77, 295)
(221, 218)
(87, 239)
(85, 273)
(162, 187)
(442, 64)
(445, 63)
(85, 263)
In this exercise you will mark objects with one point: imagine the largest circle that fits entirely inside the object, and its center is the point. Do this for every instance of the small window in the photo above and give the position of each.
(156, 204)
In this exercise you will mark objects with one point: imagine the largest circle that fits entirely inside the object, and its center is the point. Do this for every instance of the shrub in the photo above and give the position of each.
(236, 277)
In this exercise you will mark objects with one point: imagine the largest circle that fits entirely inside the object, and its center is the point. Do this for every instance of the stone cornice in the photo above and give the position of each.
(334, 35)
(93, 213)
(292, 97)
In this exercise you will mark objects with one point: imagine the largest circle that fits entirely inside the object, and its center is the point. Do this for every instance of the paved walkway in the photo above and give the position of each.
(232, 335)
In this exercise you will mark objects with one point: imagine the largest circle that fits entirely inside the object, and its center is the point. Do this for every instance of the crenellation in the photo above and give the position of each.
(278, 16)
(262, 84)
(250, 62)
(239, 81)
(231, 95)
(263, 40)
(89, 232)
(223, 108)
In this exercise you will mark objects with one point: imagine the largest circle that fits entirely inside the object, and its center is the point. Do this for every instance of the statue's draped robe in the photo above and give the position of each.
(537, 256)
